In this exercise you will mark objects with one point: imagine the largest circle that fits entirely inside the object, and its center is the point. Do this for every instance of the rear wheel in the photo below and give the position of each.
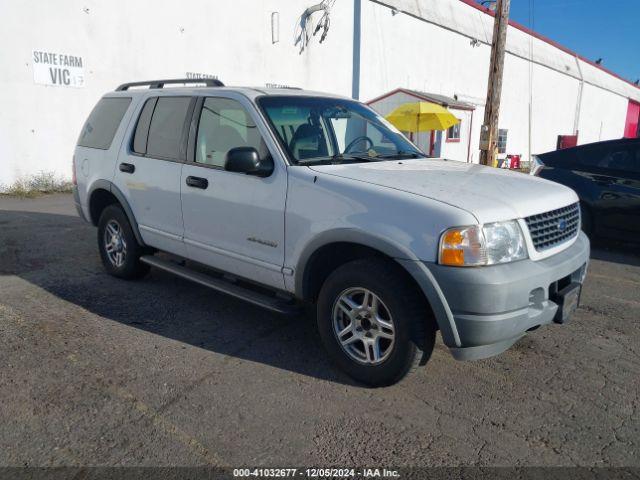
(119, 249)
(374, 323)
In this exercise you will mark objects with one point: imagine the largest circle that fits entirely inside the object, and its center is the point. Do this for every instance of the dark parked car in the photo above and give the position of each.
(606, 177)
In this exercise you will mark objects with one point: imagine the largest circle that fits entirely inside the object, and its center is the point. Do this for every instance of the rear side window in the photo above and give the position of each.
(167, 127)
(103, 122)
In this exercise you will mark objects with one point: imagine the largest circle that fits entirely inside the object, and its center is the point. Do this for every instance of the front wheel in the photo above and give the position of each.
(373, 322)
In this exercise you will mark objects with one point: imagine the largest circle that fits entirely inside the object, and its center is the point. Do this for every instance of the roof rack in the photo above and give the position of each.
(278, 86)
(209, 82)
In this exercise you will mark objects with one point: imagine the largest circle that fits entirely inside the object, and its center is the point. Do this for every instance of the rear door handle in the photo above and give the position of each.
(127, 168)
(198, 182)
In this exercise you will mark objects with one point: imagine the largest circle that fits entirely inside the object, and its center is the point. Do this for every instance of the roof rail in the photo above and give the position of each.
(209, 82)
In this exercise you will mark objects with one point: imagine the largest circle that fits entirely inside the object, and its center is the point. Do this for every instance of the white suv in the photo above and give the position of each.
(284, 197)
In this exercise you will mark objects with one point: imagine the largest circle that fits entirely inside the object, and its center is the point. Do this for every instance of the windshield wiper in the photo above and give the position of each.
(354, 156)
(338, 159)
(402, 154)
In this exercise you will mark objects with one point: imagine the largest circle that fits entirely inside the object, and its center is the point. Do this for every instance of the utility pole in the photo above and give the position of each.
(489, 131)
(357, 32)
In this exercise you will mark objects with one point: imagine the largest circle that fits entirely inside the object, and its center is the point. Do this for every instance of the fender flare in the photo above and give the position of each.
(115, 191)
(405, 258)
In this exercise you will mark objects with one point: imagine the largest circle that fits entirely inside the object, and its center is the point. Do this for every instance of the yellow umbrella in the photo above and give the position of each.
(422, 117)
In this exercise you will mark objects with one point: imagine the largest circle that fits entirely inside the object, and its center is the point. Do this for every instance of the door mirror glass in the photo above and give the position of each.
(247, 160)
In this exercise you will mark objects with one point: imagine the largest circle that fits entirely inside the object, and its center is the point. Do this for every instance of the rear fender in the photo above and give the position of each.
(115, 191)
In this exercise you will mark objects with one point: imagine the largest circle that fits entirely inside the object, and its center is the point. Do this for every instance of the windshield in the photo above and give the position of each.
(330, 130)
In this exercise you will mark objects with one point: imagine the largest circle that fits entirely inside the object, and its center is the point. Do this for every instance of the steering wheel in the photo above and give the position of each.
(355, 141)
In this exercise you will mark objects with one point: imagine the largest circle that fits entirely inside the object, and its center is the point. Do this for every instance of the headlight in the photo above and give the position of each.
(488, 244)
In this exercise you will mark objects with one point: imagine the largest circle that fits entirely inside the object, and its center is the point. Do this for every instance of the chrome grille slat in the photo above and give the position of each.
(544, 231)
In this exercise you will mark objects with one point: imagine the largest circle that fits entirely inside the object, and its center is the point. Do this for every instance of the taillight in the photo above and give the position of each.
(536, 165)
(74, 179)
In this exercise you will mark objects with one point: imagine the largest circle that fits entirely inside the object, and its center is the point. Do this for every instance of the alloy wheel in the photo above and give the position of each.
(114, 243)
(363, 326)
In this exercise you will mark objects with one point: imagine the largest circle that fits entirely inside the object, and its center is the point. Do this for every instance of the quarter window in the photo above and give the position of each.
(167, 127)
(102, 124)
(225, 124)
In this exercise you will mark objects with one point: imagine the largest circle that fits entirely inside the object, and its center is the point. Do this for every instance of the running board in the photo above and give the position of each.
(274, 304)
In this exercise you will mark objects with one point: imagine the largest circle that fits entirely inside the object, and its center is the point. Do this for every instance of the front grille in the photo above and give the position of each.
(552, 228)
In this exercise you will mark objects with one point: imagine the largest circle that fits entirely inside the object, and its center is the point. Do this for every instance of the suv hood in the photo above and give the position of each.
(490, 194)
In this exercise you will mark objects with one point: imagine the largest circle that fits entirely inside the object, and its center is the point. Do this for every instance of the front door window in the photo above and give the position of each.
(225, 124)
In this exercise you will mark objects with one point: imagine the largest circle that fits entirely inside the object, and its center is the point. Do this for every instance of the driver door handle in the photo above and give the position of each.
(198, 182)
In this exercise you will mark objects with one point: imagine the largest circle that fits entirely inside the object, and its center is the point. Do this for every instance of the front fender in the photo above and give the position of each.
(405, 258)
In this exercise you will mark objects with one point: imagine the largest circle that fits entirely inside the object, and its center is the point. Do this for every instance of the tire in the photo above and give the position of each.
(399, 304)
(119, 250)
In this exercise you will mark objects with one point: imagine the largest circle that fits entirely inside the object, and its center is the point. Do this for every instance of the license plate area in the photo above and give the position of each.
(568, 300)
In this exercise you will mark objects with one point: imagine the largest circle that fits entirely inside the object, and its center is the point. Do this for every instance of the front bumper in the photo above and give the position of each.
(492, 307)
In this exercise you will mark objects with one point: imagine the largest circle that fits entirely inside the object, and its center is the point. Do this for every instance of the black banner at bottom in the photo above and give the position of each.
(215, 473)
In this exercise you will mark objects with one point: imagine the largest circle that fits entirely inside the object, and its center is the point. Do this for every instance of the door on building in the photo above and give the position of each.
(632, 125)
(435, 143)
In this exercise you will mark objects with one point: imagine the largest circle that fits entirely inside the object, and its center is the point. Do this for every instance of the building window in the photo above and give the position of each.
(502, 140)
(453, 133)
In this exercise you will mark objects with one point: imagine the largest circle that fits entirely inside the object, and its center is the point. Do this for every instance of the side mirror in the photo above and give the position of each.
(247, 160)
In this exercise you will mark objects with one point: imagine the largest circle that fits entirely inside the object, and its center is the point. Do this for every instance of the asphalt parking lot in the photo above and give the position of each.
(99, 371)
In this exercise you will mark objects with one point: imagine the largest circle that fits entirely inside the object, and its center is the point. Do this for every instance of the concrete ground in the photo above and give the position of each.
(99, 371)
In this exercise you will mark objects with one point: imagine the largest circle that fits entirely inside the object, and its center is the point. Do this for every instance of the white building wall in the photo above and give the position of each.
(402, 51)
(554, 108)
(602, 115)
(428, 47)
(458, 150)
(122, 41)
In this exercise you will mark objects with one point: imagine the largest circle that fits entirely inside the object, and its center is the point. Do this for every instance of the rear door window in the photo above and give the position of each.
(615, 157)
(625, 159)
(142, 127)
(167, 128)
(102, 124)
(595, 157)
